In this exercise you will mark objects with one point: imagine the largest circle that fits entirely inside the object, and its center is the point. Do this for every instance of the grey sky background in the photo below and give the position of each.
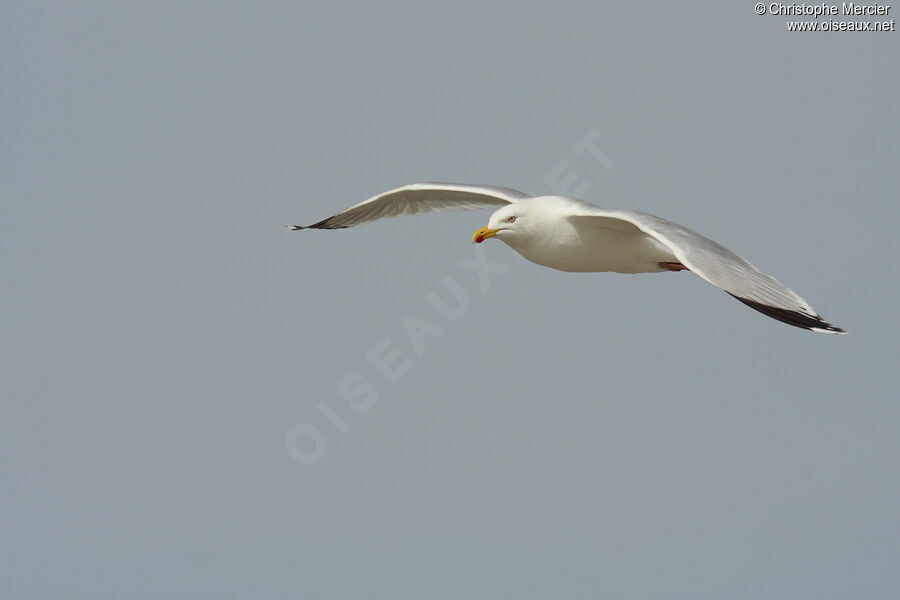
(569, 435)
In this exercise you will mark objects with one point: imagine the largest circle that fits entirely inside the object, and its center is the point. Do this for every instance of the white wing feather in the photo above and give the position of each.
(419, 198)
(721, 267)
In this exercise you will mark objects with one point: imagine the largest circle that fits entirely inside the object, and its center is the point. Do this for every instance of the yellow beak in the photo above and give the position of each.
(483, 234)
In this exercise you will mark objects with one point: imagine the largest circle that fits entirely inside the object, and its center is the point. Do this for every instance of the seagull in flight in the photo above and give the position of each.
(572, 235)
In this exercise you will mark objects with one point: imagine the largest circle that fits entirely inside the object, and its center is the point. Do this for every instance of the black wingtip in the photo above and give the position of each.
(323, 224)
(792, 317)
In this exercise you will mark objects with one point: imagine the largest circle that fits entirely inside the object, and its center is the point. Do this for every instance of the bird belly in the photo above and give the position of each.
(616, 251)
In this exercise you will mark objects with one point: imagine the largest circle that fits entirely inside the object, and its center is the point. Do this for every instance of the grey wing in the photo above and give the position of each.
(419, 198)
(726, 270)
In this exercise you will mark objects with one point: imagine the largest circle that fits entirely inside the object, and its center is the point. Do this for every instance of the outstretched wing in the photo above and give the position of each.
(722, 268)
(419, 198)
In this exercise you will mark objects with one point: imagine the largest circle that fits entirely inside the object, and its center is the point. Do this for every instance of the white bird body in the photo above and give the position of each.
(571, 235)
(584, 246)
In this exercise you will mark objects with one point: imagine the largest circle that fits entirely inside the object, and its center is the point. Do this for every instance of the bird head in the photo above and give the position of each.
(506, 223)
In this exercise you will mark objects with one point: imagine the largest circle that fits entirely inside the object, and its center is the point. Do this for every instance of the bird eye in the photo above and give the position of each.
(511, 219)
